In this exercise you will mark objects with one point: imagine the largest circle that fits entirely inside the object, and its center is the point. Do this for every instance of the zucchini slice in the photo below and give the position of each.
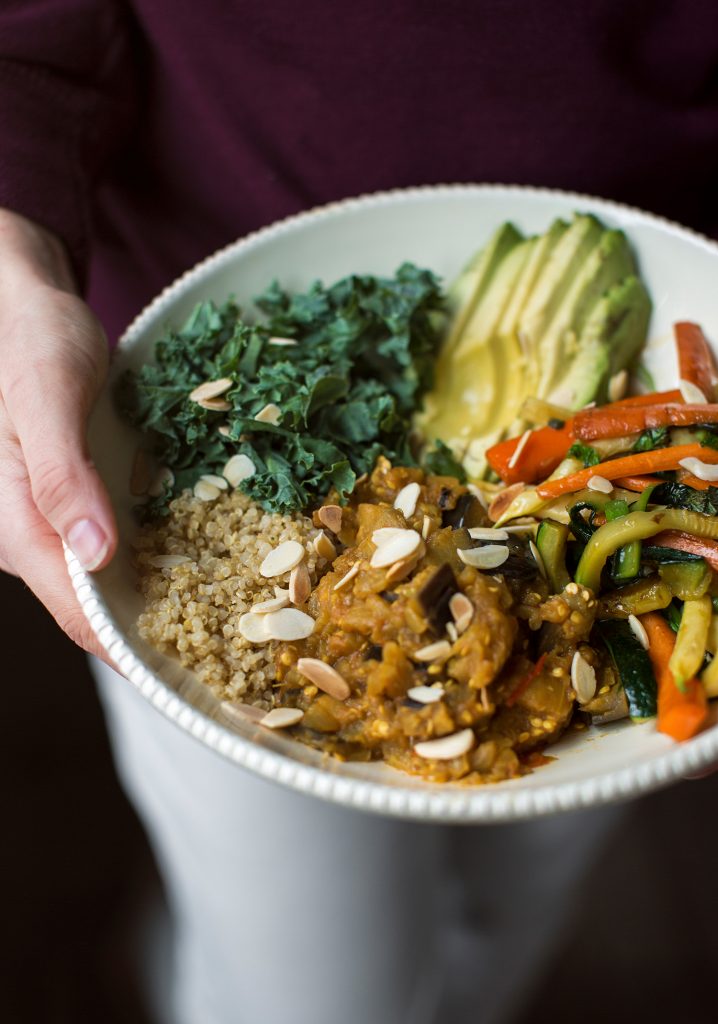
(633, 666)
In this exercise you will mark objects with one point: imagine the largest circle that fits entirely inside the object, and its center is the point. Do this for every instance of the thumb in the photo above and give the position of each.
(49, 407)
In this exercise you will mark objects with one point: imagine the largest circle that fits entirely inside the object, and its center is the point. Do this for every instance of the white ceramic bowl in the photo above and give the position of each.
(437, 228)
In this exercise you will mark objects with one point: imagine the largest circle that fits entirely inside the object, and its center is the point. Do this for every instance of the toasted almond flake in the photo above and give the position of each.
(617, 386)
(425, 694)
(253, 627)
(211, 389)
(523, 441)
(448, 747)
(703, 470)
(402, 568)
(583, 678)
(163, 478)
(281, 592)
(425, 527)
(478, 494)
(282, 559)
(520, 528)
(205, 491)
(217, 481)
(282, 718)
(168, 561)
(325, 677)
(142, 473)
(272, 604)
(225, 430)
(487, 533)
(538, 559)
(347, 577)
(490, 556)
(462, 611)
(300, 585)
(452, 632)
(501, 501)
(282, 341)
(289, 624)
(691, 393)
(242, 713)
(440, 650)
(406, 499)
(395, 549)
(269, 414)
(639, 631)
(240, 467)
(324, 547)
(599, 483)
(386, 533)
(214, 404)
(331, 517)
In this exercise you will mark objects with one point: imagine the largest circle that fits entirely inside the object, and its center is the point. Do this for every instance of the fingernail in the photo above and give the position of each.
(88, 543)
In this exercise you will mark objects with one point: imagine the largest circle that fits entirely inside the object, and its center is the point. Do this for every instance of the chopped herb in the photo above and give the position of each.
(650, 439)
(556, 423)
(587, 454)
(676, 495)
(347, 390)
(441, 462)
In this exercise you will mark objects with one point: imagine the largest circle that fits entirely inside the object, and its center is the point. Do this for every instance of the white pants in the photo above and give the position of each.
(288, 910)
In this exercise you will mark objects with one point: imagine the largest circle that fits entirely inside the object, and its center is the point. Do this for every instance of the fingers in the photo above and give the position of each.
(48, 396)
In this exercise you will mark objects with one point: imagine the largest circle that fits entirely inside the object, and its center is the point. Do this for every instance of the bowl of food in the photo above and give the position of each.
(416, 506)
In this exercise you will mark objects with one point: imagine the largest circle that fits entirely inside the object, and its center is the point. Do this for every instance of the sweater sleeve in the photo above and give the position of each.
(66, 105)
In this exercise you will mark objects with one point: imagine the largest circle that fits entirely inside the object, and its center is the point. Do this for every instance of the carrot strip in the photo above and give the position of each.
(696, 362)
(637, 483)
(703, 546)
(540, 455)
(592, 424)
(532, 674)
(681, 713)
(659, 460)
(653, 398)
(684, 477)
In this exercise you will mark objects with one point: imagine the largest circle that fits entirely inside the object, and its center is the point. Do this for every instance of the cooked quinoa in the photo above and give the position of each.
(192, 609)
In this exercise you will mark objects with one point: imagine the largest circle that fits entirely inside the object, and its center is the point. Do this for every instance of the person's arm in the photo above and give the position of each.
(53, 360)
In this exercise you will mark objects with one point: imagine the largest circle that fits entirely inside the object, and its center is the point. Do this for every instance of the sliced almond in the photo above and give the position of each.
(425, 694)
(639, 631)
(142, 473)
(225, 430)
(447, 747)
(281, 718)
(325, 677)
(600, 484)
(347, 577)
(283, 341)
(583, 678)
(462, 611)
(211, 389)
(288, 624)
(438, 651)
(538, 559)
(272, 604)
(253, 627)
(217, 481)
(396, 549)
(240, 467)
(205, 491)
(617, 386)
(282, 559)
(331, 517)
(385, 534)
(490, 556)
(168, 561)
(691, 393)
(501, 501)
(703, 470)
(163, 478)
(269, 414)
(452, 632)
(215, 404)
(426, 528)
(487, 533)
(523, 441)
(406, 499)
(478, 494)
(300, 585)
(324, 547)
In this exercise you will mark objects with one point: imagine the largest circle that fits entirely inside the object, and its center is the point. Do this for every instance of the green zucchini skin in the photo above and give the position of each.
(633, 666)
(551, 540)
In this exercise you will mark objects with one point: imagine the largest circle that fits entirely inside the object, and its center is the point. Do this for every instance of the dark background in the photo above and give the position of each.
(75, 868)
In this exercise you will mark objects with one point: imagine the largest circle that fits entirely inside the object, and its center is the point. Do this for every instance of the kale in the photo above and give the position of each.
(441, 462)
(676, 495)
(588, 455)
(650, 439)
(346, 391)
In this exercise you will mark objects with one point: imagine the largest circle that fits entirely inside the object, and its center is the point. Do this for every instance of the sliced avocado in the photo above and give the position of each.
(471, 285)
(611, 338)
(525, 285)
(607, 263)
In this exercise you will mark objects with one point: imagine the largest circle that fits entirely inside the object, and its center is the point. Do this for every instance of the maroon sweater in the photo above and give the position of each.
(148, 133)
